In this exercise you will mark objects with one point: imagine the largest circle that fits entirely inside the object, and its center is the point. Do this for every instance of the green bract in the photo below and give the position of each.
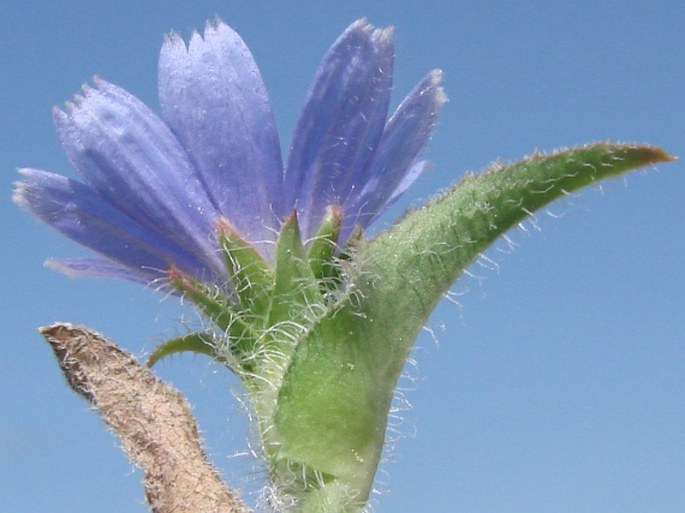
(319, 339)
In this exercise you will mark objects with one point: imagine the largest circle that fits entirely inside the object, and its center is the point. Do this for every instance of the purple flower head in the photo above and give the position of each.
(152, 189)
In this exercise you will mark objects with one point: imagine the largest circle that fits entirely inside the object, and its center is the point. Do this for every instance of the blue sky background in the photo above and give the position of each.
(558, 384)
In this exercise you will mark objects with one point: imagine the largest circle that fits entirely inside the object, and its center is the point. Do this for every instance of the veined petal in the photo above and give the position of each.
(405, 135)
(132, 159)
(80, 213)
(414, 172)
(341, 123)
(214, 100)
(99, 268)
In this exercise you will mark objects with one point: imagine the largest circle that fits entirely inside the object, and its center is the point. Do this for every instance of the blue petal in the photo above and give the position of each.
(80, 213)
(414, 172)
(393, 168)
(99, 268)
(341, 123)
(132, 159)
(214, 100)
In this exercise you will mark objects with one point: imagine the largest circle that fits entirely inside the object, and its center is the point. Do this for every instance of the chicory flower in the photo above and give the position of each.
(202, 200)
(153, 189)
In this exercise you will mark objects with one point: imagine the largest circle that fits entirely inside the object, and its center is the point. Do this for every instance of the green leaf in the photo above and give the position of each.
(323, 247)
(333, 405)
(222, 312)
(202, 343)
(249, 273)
(423, 254)
(296, 299)
(197, 342)
(296, 303)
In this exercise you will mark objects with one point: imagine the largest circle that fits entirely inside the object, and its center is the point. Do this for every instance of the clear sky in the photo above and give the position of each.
(557, 384)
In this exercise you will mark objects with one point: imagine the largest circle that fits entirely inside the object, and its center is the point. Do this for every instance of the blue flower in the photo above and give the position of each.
(152, 189)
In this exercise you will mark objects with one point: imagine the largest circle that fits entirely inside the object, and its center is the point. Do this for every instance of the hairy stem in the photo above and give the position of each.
(153, 421)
